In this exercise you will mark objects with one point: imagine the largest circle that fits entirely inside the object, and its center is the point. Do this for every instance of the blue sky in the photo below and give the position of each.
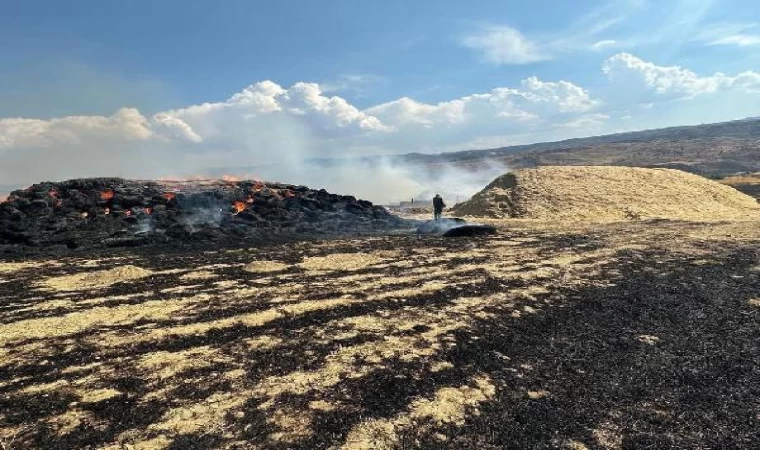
(203, 51)
(210, 81)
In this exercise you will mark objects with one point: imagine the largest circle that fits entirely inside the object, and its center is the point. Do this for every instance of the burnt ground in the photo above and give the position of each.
(620, 336)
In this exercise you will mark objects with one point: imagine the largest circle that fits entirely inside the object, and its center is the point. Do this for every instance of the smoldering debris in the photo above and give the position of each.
(96, 212)
(454, 227)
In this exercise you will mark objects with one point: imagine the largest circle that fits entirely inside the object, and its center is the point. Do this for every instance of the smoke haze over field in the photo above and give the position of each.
(281, 148)
(381, 180)
(282, 129)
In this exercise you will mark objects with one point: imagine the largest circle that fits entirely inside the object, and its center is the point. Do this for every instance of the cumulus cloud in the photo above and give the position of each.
(406, 111)
(674, 81)
(532, 100)
(303, 102)
(174, 128)
(126, 124)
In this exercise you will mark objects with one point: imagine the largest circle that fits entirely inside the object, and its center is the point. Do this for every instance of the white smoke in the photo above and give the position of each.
(198, 218)
(386, 181)
(145, 223)
(278, 130)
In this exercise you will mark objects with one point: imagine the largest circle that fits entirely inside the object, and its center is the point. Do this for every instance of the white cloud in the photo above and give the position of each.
(407, 111)
(126, 124)
(600, 45)
(520, 116)
(741, 40)
(673, 81)
(174, 128)
(505, 45)
(303, 103)
(633, 24)
(738, 34)
(567, 96)
(621, 24)
(532, 100)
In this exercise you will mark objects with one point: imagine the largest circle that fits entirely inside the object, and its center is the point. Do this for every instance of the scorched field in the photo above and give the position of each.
(620, 336)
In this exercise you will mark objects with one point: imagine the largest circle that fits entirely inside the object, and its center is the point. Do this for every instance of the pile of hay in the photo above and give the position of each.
(98, 279)
(609, 194)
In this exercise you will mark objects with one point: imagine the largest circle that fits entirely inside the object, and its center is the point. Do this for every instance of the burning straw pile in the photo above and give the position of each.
(117, 212)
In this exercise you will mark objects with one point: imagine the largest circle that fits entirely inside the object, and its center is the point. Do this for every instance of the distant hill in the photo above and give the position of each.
(713, 150)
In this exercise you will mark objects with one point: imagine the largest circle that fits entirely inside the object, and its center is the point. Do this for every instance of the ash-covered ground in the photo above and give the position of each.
(620, 336)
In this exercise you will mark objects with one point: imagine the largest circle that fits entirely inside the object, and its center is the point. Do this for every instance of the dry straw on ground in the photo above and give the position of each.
(597, 193)
(265, 266)
(617, 335)
(98, 279)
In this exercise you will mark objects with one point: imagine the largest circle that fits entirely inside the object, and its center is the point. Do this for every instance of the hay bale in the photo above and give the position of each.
(606, 193)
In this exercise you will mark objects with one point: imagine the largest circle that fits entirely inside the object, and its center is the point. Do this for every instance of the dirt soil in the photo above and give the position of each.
(611, 336)
(602, 193)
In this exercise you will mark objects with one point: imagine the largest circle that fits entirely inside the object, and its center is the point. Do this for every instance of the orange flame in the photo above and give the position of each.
(107, 211)
(3, 198)
(128, 212)
(258, 186)
(239, 207)
(106, 195)
(231, 178)
(169, 195)
(148, 211)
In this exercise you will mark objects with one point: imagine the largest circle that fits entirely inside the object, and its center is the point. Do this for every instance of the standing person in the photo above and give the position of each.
(438, 206)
